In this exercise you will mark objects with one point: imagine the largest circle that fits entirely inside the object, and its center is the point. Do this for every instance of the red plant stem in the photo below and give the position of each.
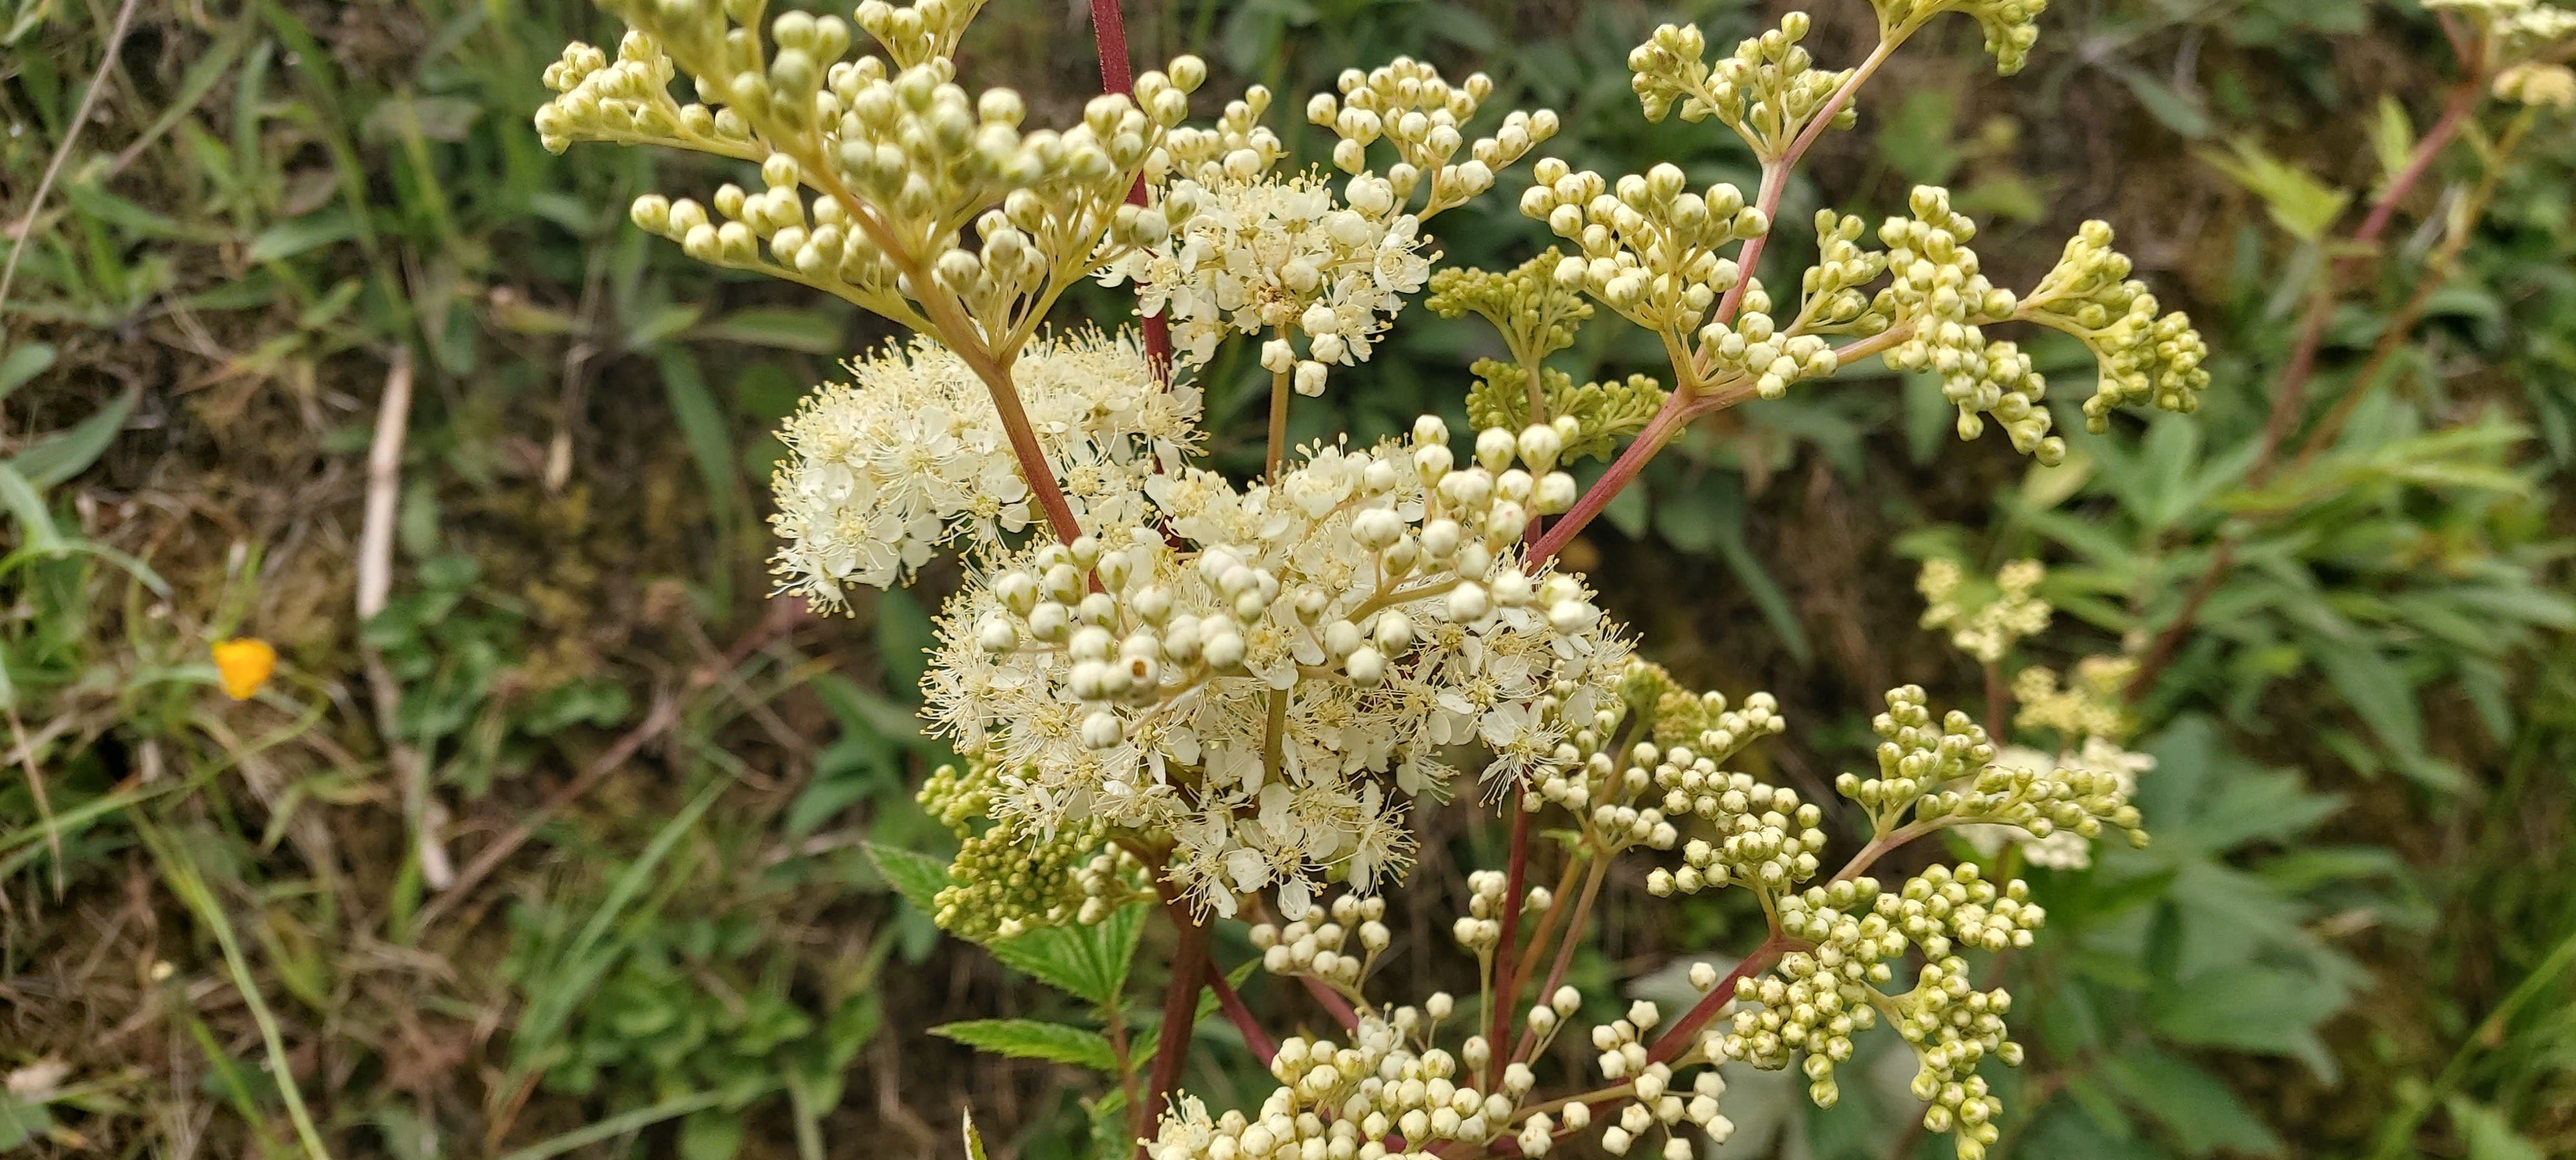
(1117, 75)
(1660, 429)
(1775, 178)
(1565, 952)
(1515, 885)
(2289, 399)
(1231, 1003)
(1180, 1011)
(1677, 1038)
(1332, 1001)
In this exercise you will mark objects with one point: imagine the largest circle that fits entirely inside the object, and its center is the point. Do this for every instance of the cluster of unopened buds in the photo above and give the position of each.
(1322, 949)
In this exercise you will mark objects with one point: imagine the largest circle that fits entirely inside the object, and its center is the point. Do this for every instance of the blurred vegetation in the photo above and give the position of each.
(562, 851)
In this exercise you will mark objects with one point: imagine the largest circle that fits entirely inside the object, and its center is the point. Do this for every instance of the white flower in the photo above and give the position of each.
(1254, 252)
(910, 455)
(1253, 675)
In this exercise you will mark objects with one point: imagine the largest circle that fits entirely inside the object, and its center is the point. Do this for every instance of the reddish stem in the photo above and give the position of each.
(2290, 398)
(1515, 886)
(1117, 75)
(1332, 1001)
(1668, 421)
(1231, 1003)
(1180, 1016)
(1677, 1038)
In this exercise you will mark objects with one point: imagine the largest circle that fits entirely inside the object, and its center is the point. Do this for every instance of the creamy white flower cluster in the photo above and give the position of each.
(2100, 761)
(910, 454)
(1406, 104)
(1386, 1092)
(1268, 686)
(1253, 252)
(1769, 91)
(2144, 356)
(2012, 613)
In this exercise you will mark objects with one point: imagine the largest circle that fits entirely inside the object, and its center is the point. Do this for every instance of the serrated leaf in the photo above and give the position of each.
(2392, 136)
(917, 877)
(1032, 1039)
(974, 1139)
(1087, 962)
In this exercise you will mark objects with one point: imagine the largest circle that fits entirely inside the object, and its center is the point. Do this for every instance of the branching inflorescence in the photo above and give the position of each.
(1225, 694)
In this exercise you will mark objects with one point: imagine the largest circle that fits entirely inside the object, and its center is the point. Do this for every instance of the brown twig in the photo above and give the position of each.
(375, 587)
(1498, 1008)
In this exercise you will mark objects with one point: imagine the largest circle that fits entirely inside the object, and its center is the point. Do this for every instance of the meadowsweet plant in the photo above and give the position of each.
(1222, 698)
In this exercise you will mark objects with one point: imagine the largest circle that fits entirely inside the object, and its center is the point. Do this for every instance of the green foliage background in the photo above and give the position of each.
(2352, 937)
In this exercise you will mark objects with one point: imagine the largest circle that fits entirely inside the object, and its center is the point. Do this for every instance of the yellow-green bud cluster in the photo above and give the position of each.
(1953, 1027)
(1936, 288)
(1593, 418)
(1536, 315)
(1648, 246)
(2549, 86)
(1753, 347)
(1321, 949)
(1831, 300)
(1815, 999)
(1916, 758)
(2144, 356)
(1766, 838)
(906, 158)
(1942, 906)
(1712, 729)
(920, 31)
(2080, 798)
(1006, 880)
(2011, 26)
(2010, 611)
(2516, 30)
(630, 101)
(2094, 705)
(1769, 91)
(1406, 104)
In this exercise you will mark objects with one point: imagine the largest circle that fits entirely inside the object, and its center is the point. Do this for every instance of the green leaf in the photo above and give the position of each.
(36, 532)
(2488, 1134)
(2195, 1106)
(2377, 691)
(64, 454)
(23, 363)
(809, 331)
(21, 1120)
(288, 238)
(918, 877)
(2266, 1010)
(1087, 962)
(2392, 135)
(2299, 203)
(974, 1139)
(905, 637)
(713, 1134)
(2169, 105)
(1031, 1039)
